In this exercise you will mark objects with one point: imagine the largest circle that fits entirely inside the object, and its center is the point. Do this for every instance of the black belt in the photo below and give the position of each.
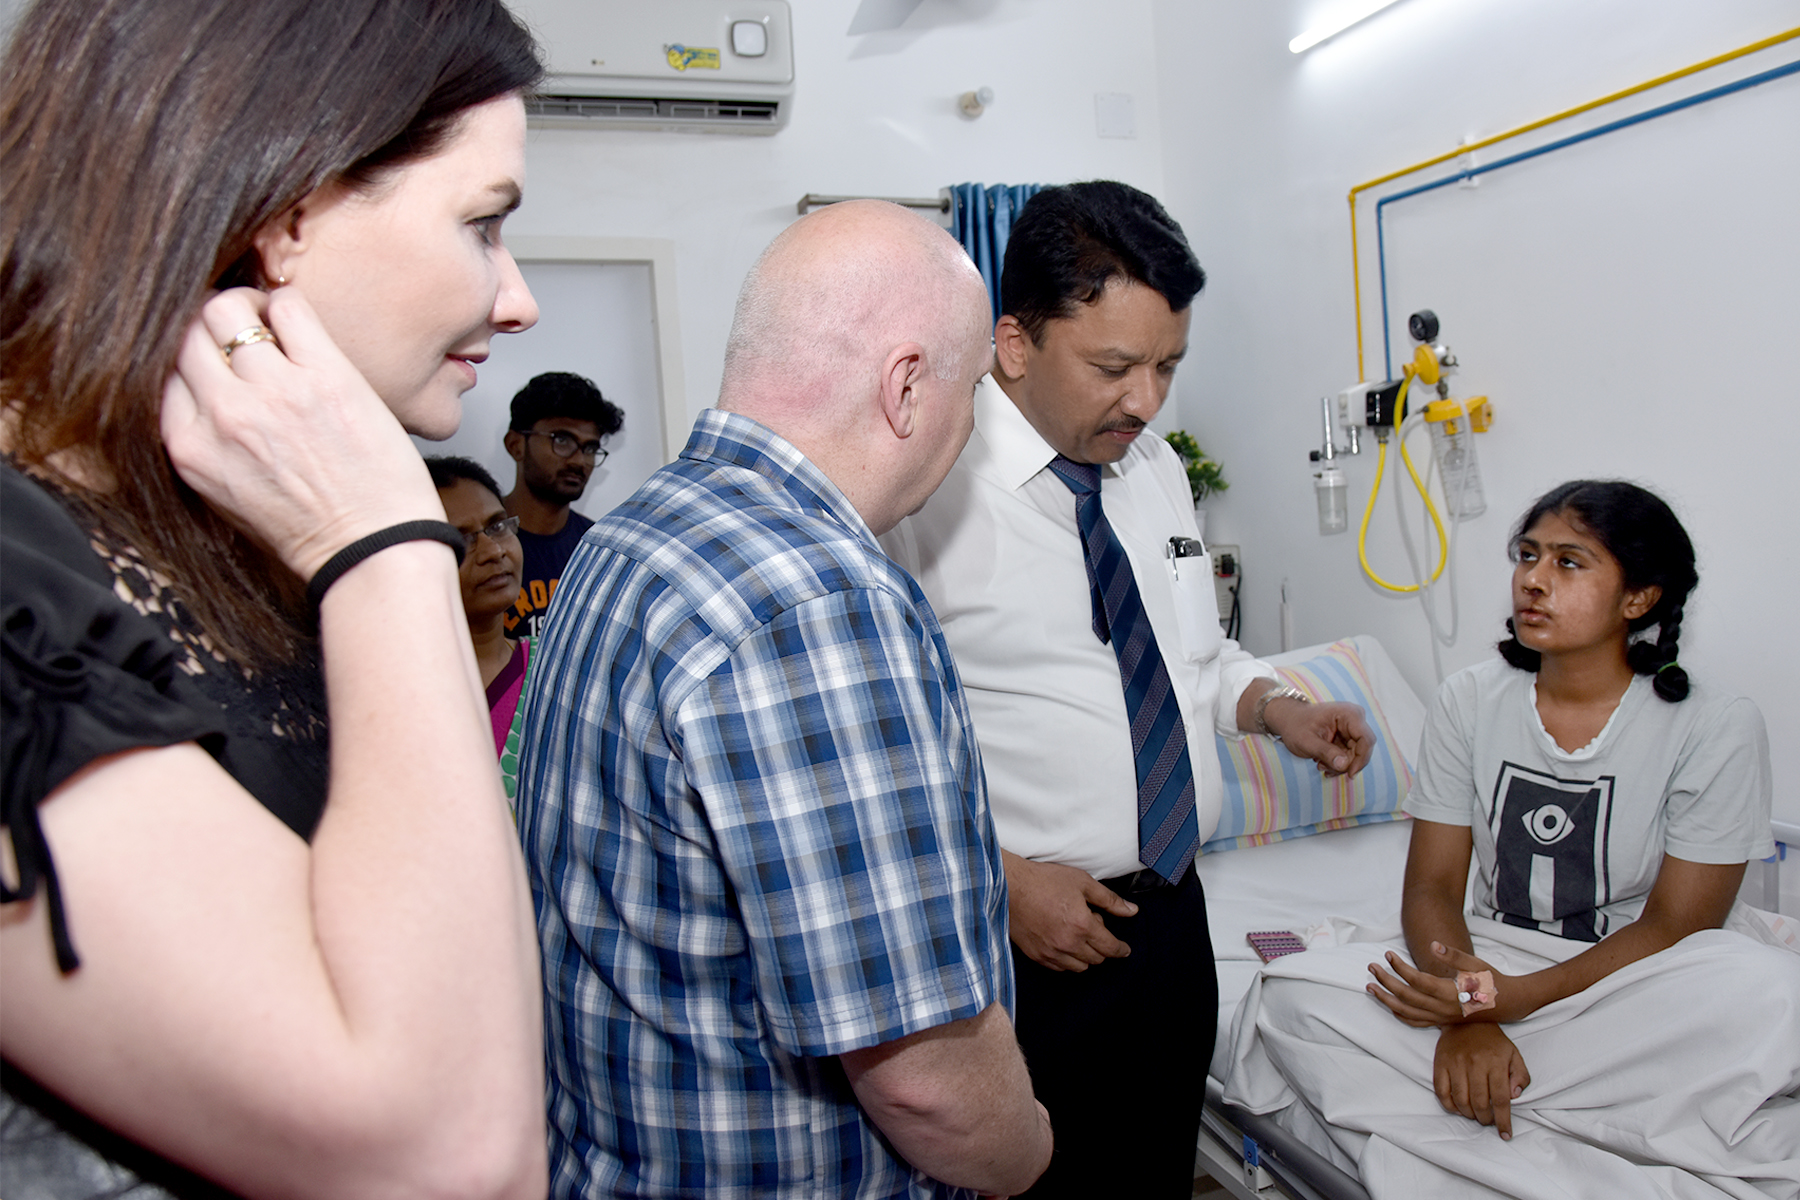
(1145, 880)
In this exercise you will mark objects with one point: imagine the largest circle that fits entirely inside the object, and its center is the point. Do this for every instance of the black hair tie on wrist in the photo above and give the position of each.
(381, 539)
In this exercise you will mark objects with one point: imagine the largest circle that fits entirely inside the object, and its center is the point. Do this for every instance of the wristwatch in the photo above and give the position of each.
(1276, 693)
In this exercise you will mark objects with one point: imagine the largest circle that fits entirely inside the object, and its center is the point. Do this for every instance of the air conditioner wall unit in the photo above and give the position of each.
(718, 66)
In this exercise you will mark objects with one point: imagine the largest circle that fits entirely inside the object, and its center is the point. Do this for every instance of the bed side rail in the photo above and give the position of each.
(1302, 1171)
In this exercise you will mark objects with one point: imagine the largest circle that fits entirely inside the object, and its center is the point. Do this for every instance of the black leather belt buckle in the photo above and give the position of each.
(1145, 880)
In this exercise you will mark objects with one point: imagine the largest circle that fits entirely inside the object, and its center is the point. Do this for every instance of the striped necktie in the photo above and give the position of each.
(1168, 833)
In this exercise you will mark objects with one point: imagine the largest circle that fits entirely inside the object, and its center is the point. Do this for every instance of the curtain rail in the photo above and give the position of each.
(813, 200)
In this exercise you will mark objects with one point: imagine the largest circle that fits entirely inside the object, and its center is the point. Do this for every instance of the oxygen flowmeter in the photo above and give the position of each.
(1393, 409)
(1453, 429)
(1394, 406)
(1452, 426)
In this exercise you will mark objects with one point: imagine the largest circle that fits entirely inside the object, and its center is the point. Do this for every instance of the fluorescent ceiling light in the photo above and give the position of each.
(1345, 18)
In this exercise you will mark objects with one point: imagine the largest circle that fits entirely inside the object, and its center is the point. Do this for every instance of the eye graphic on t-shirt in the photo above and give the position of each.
(1548, 825)
(1552, 865)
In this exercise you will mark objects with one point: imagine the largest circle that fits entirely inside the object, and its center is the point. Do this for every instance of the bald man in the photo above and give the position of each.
(771, 903)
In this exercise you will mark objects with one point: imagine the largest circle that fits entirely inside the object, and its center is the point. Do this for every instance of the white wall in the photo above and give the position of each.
(874, 114)
(595, 319)
(1630, 304)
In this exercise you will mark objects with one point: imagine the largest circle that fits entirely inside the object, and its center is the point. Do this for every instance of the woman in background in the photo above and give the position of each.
(270, 930)
(1587, 1003)
(490, 583)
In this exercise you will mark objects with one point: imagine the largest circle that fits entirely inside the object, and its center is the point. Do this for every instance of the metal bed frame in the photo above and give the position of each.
(1253, 1158)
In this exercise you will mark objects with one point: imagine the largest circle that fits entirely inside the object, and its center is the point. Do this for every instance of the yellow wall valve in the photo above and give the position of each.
(1481, 414)
(1425, 364)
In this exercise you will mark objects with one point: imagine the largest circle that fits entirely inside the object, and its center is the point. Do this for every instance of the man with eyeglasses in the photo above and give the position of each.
(559, 422)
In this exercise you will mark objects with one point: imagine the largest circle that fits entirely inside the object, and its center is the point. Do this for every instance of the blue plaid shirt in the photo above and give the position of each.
(758, 834)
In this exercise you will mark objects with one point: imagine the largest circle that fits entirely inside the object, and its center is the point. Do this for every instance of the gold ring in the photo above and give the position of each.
(249, 337)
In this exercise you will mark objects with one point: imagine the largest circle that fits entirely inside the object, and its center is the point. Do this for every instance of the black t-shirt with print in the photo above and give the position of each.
(545, 558)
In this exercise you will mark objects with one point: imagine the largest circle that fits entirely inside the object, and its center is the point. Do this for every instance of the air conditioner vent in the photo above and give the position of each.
(585, 111)
(720, 66)
(589, 108)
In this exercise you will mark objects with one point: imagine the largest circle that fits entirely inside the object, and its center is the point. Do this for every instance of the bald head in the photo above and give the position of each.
(859, 337)
(835, 292)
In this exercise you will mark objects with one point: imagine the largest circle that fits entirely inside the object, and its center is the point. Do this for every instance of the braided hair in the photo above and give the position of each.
(1653, 550)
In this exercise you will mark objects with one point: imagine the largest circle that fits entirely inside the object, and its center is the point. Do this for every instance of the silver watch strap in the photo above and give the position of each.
(1275, 693)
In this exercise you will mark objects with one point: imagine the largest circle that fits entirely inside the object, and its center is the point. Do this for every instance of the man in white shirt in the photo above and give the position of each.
(1059, 528)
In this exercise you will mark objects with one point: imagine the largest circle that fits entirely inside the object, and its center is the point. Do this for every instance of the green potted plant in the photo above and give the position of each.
(1205, 475)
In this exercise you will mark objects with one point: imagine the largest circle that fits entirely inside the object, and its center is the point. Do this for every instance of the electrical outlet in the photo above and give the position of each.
(1228, 566)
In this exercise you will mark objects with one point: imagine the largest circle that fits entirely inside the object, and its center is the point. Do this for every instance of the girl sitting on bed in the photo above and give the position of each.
(1609, 807)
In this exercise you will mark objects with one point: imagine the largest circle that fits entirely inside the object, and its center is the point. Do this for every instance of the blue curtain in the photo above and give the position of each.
(984, 217)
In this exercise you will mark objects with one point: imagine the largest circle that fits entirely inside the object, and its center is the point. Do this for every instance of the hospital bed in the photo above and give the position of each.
(1286, 885)
(1291, 851)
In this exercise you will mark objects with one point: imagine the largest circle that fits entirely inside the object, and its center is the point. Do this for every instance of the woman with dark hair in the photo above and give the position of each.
(491, 566)
(1596, 999)
(269, 928)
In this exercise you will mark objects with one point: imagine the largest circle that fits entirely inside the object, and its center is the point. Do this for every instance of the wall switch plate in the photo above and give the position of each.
(1227, 565)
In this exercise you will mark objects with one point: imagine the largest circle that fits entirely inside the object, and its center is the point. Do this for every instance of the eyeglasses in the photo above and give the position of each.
(565, 445)
(503, 528)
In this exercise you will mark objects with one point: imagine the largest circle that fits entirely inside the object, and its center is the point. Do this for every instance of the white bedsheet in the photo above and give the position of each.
(1350, 874)
(1300, 885)
(1677, 1076)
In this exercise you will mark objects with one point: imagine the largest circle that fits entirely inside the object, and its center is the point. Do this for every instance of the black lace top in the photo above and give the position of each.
(100, 656)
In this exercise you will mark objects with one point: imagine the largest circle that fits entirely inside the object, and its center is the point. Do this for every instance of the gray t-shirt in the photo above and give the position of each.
(1571, 842)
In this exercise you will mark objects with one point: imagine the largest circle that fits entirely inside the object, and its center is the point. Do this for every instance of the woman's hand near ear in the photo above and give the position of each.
(286, 438)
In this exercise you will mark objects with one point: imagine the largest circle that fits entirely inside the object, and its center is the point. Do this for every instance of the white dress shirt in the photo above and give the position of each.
(999, 555)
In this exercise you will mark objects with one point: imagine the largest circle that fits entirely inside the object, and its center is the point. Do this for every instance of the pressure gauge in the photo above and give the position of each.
(1423, 325)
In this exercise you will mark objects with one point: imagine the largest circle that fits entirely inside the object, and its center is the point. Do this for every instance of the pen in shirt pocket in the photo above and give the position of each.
(1186, 547)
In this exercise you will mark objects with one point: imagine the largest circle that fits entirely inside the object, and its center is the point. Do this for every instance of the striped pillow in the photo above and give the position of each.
(1271, 796)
